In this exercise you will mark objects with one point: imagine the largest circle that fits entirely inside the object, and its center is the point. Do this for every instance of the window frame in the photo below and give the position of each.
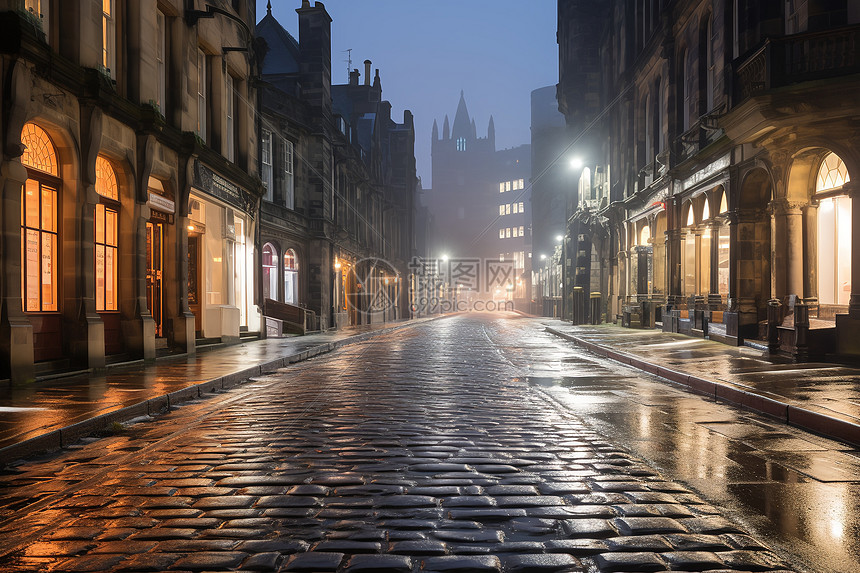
(161, 60)
(202, 94)
(109, 37)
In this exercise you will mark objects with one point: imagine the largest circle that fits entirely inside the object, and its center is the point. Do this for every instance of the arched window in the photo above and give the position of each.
(39, 222)
(107, 237)
(270, 271)
(724, 204)
(691, 216)
(291, 277)
(834, 232)
(832, 174)
(706, 210)
(689, 252)
(644, 236)
(585, 185)
(39, 152)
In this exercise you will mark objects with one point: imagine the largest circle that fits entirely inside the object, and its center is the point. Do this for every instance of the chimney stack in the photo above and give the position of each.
(367, 64)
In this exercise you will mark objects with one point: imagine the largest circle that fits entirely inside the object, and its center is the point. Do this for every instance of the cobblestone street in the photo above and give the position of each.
(424, 449)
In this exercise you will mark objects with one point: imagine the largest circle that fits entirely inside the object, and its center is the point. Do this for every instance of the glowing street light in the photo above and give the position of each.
(559, 238)
(543, 257)
(576, 163)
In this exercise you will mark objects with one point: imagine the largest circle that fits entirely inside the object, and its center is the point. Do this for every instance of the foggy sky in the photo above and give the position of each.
(497, 51)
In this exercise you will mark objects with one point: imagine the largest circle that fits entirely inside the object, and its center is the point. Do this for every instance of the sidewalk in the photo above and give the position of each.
(48, 415)
(820, 397)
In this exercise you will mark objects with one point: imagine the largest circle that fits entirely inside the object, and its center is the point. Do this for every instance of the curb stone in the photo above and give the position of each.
(774, 406)
(63, 437)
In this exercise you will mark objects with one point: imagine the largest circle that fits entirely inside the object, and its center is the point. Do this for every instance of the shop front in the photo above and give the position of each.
(220, 257)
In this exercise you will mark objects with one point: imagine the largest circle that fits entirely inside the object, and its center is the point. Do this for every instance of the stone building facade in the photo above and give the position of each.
(481, 209)
(725, 135)
(337, 218)
(129, 175)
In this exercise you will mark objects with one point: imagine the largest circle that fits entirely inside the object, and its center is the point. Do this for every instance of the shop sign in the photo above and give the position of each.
(161, 203)
(210, 182)
(709, 170)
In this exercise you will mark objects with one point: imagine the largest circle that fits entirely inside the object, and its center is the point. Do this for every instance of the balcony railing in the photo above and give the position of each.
(798, 58)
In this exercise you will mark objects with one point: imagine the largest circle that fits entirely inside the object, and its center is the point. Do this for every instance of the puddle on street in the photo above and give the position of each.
(794, 489)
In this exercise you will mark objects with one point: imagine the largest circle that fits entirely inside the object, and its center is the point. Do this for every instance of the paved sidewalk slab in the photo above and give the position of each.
(820, 397)
(49, 415)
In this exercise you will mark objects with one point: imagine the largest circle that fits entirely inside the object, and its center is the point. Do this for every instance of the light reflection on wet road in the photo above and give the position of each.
(795, 490)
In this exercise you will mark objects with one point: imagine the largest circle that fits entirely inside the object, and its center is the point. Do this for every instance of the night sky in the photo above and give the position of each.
(496, 51)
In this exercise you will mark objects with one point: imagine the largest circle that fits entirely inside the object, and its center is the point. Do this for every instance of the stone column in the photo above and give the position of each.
(87, 343)
(848, 325)
(810, 261)
(16, 332)
(853, 190)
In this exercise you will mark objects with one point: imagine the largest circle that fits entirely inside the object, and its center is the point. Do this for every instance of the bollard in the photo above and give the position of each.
(801, 331)
(596, 315)
(773, 320)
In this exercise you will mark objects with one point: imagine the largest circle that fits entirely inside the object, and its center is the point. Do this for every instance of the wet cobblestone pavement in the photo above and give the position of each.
(422, 450)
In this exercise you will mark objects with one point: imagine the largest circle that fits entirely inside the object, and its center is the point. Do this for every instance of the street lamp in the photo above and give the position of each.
(559, 238)
(576, 163)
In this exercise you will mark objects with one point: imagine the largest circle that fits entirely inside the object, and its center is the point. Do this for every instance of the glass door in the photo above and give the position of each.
(154, 274)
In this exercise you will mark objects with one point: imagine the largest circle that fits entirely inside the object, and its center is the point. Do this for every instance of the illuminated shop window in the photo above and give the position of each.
(270, 271)
(39, 228)
(834, 233)
(107, 233)
(291, 277)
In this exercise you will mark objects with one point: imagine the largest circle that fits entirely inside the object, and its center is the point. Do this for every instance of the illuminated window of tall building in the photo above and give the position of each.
(160, 60)
(514, 233)
(107, 237)
(109, 37)
(508, 209)
(201, 94)
(230, 121)
(461, 144)
(502, 187)
(508, 233)
(41, 10)
(39, 225)
(501, 209)
(515, 208)
(522, 231)
(501, 233)
(507, 185)
(521, 207)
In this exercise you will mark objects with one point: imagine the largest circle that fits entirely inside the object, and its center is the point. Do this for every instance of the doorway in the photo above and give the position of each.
(194, 280)
(155, 274)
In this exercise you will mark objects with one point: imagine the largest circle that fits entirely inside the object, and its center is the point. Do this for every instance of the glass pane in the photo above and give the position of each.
(111, 227)
(724, 261)
(49, 284)
(843, 239)
(31, 264)
(100, 277)
(690, 264)
(100, 223)
(31, 204)
(705, 264)
(826, 252)
(111, 279)
(49, 209)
